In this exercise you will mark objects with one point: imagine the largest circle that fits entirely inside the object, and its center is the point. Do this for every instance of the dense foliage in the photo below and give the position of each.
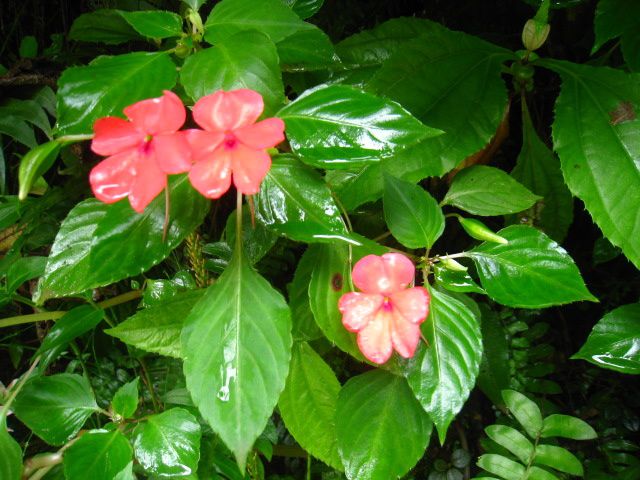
(432, 273)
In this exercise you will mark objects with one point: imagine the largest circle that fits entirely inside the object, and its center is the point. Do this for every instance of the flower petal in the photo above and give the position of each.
(374, 340)
(211, 175)
(156, 116)
(412, 304)
(358, 309)
(112, 178)
(265, 134)
(386, 274)
(172, 153)
(405, 335)
(249, 168)
(114, 135)
(148, 183)
(201, 142)
(226, 111)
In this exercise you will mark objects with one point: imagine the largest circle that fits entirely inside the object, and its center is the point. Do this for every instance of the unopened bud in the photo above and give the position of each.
(451, 264)
(478, 230)
(534, 34)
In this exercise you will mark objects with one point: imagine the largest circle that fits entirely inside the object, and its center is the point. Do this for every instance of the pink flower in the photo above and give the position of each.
(387, 315)
(141, 151)
(231, 143)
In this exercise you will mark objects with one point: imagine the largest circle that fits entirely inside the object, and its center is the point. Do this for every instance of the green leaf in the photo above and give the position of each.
(512, 440)
(443, 373)
(28, 110)
(24, 269)
(566, 426)
(157, 329)
(257, 239)
(525, 411)
(464, 97)
(382, 430)
(598, 150)
(271, 17)
(10, 455)
(338, 126)
(501, 466)
(487, 191)
(28, 47)
(308, 46)
(455, 281)
(102, 26)
(613, 342)
(236, 345)
(412, 215)
(55, 407)
(98, 454)
(536, 473)
(244, 60)
(304, 8)
(539, 170)
(125, 400)
(613, 19)
(74, 323)
(495, 374)
(19, 130)
(168, 444)
(558, 458)
(531, 271)
(109, 84)
(194, 4)
(34, 164)
(295, 202)
(100, 244)
(154, 24)
(308, 404)
(304, 325)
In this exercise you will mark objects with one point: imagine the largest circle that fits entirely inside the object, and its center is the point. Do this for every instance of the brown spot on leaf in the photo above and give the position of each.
(336, 282)
(624, 112)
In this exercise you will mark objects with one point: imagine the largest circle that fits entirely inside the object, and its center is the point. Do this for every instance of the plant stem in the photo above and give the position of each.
(239, 222)
(16, 390)
(147, 380)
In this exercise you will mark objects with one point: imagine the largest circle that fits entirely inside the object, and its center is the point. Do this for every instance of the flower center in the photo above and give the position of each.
(230, 141)
(386, 304)
(146, 144)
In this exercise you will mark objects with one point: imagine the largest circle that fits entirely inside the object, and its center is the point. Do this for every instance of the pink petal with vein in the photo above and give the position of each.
(172, 153)
(114, 135)
(112, 178)
(211, 176)
(374, 340)
(412, 304)
(386, 274)
(226, 111)
(358, 309)
(249, 168)
(159, 115)
(265, 134)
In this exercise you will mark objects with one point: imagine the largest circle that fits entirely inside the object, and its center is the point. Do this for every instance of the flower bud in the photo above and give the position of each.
(534, 34)
(478, 230)
(451, 264)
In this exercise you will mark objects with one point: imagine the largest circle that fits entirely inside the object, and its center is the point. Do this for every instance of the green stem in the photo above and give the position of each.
(16, 390)
(74, 138)
(239, 222)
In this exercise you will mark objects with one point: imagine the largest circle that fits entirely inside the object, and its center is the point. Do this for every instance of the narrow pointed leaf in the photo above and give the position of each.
(244, 60)
(442, 373)
(596, 136)
(566, 426)
(525, 411)
(99, 244)
(157, 329)
(413, 216)
(168, 444)
(531, 271)
(512, 440)
(109, 84)
(613, 342)
(74, 323)
(501, 466)
(98, 454)
(308, 404)
(34, 164)
(382, 430)
(236, 349)
(559, 458)
(125, 400)
(55, 407)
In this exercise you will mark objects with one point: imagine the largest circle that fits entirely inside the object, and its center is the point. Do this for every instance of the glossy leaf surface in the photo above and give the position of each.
(271, 17)
(598, 152)
(442, 374)
(531, 271)
(109, 84)
(157, 329)
(525, 411)
(382, 430)
(501, 466)
(559, 458)
(464, 97)
(412, 215)
(243, 60)
(614, 342)
(303, 323)
(308, 404)
(495, 374)
(455, 281)
(99, 244)
(539, 170)
(304, 8)
(566, 426)
(98, 454)
(482, 190)
(125, 400)
(74, 323)
(154, 24)
(55, 407)
(168, 444)
(308, 46)
(295, 202)
(34, 164)
(338, 126)
(10, 455)
(512, 440)
(236, 349)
